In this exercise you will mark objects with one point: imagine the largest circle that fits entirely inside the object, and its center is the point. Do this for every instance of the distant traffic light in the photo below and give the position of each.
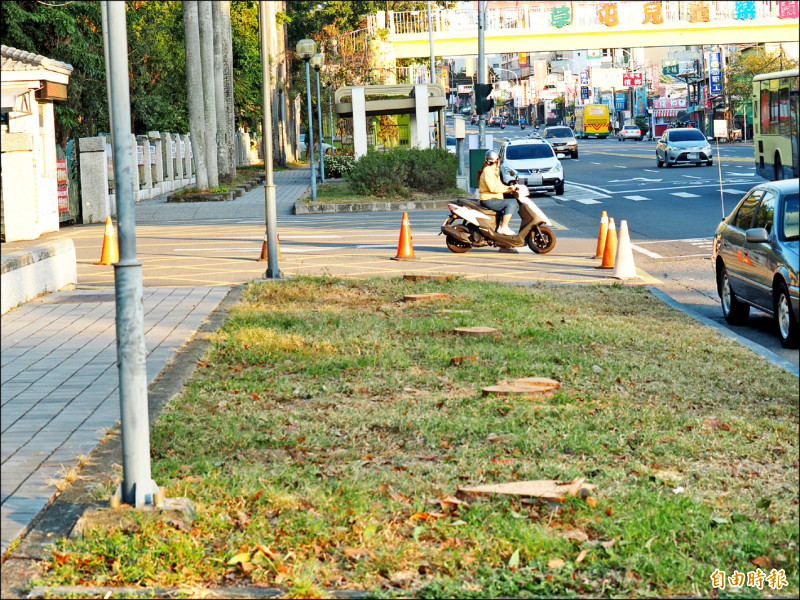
(483, 103)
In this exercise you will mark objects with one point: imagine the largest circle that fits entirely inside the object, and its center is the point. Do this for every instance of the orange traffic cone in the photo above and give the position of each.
(623, 263)
(110, 252)
(601, 236)
(264, 252)
(405, 250)
(610, 251)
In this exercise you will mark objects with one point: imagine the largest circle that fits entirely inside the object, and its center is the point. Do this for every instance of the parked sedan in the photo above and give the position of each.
(683, 145)
(630, 132)
(755, 257)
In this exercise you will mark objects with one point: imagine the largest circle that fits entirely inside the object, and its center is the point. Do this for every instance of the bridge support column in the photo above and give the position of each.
(359, 122)
(419, 120)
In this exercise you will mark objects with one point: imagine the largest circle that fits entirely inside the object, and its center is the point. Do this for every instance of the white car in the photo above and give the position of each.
(326, 148)
(630, 132)
(684, 145)
(533, 163)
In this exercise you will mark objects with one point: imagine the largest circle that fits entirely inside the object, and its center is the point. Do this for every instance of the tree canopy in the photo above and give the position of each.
(746, 65)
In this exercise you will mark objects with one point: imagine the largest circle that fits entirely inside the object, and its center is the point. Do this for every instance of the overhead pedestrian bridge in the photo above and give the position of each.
(545, 27)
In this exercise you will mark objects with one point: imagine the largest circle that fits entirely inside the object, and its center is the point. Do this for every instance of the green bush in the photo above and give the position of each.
(400, 171)
(338, 165)
(641, 123)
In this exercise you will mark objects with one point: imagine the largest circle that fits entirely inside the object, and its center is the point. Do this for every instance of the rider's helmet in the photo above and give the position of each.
(492, 156)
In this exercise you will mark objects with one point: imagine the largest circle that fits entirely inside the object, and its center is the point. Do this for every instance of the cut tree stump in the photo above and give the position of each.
(426, 296)
(429, 277)
(525, 385)
(540, 488)
(476, 330)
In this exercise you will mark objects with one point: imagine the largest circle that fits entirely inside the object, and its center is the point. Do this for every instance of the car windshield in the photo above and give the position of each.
(791, 217)
(686, 135)
(528, 151)
(558, 132)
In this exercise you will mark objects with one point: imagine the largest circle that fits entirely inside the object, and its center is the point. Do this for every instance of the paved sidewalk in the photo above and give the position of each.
(59, 377)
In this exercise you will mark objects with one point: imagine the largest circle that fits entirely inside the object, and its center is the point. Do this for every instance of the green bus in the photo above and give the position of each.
(776, 99)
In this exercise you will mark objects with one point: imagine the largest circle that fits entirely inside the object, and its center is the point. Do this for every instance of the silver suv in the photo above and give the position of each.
(562, 140)
(532, 163)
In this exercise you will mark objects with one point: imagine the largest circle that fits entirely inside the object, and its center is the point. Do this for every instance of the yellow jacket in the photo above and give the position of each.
(490, 186)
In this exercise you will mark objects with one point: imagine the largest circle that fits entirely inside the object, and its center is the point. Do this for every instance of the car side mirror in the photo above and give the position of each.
(757, 235)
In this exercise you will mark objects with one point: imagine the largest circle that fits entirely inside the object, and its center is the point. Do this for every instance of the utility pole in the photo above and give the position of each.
(482, 74)
(430, 37)
(137, 487)
(104, 17)
(271, 235)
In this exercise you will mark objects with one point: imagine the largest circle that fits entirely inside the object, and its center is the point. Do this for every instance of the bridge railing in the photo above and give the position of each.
(539, 17)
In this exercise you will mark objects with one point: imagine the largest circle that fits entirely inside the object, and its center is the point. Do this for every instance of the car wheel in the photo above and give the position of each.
(709, 163)
(620, 138)
(659, 162)
(666, 163)
(560, 189)
(784, 319)
(575, 154)
(734, 310)
(778, 168)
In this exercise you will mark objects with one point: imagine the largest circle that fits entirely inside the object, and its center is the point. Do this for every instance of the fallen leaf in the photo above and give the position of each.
(246, 567)
(356, 553)
(765, 562)
(450, 503)
(400, 497)
(580, 557)
(403, 577)
(591, 501)
(59, 558)
(267, 552)
(575, 534)
(426, 516)
(254, 396)
(608, 511)
(650, 541)
(609, 543)
(240, 558)
(715, 423)
(513, 562)
(777, 449)
(555, 563)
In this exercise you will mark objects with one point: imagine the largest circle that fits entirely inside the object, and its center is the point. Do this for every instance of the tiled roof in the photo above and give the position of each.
(19, 60)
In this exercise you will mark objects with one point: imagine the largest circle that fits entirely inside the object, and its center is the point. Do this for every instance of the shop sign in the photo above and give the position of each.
(631, 79)
(62, 185)
(715, 71)
(670, 66)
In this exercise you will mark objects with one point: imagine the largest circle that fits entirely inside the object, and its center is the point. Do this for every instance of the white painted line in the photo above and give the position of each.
(646, 252)
(594, 163)
(636, 198)
(586, 201)
(691, 176)
(684, 195)
(650, 171)
(606, 193)
(741, 174)
(732, 191)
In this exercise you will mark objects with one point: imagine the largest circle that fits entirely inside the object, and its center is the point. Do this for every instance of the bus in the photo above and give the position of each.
(775, 136)
(591, 120)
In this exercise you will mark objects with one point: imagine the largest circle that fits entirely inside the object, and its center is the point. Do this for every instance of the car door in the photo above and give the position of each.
(759, 266)
(732, 248)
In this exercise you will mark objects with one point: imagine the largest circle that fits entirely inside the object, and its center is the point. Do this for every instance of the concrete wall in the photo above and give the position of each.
(19, 187)
(28, 273)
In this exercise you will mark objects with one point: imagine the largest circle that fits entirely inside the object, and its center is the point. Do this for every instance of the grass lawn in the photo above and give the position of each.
(339, 192)
(329, 419)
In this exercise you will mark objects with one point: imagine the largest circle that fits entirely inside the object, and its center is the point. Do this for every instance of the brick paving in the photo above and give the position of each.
(58, 355)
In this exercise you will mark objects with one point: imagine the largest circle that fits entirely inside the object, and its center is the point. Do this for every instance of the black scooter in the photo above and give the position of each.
(471, 225)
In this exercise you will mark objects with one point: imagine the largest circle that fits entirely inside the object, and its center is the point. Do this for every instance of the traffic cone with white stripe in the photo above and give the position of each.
(623, 263)
(601, 236)
(110, 252)
(610, 251)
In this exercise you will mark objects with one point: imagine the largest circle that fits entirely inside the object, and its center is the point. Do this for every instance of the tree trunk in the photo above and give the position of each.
(209, 101)
(219, 93)
(194, 92)
(227, 78)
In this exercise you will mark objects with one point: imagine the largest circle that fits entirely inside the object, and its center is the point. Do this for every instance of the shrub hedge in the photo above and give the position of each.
(400, 171)
(338, 165)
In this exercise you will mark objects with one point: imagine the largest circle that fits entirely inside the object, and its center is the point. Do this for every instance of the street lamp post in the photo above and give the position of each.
(306, 49)
(330, 107)
(317, 61)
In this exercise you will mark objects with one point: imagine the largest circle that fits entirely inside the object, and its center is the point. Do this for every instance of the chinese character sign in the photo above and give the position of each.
(698, 12)
(584, 92)
(584, 77)
(670, 66)
(560, 16)
(745, 10)
(607, 14)
(641, 104)
(715, 71)
(787, 10)
(652, 13)
(630, 79)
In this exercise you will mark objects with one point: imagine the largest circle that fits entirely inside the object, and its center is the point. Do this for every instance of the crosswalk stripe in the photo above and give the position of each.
(684, 195)
(636, 198)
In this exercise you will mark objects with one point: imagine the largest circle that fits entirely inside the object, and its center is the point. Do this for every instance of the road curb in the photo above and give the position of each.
(305, 208)
(758, 349)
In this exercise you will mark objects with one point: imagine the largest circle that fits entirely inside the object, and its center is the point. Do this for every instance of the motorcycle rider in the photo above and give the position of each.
(492, 188)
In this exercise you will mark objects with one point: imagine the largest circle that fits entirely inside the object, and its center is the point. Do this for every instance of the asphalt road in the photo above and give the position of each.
(671, 215)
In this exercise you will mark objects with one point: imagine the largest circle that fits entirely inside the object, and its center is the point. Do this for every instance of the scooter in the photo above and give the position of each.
(522, 126)
(471, 225)
(503, 124)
